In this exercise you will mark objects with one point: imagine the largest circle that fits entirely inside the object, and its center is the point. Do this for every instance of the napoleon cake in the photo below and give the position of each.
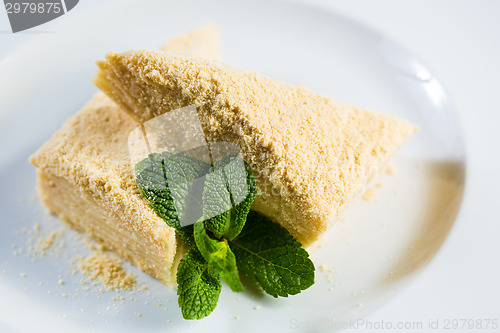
(310, 154)
(84, 176)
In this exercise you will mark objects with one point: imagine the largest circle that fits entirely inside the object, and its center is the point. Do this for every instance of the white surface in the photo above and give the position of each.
(459, 41)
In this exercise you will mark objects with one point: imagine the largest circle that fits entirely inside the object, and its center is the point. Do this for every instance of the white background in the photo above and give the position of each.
(459, 40)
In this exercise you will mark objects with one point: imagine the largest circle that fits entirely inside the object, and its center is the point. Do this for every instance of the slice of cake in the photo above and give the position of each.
(310, 154)
(84, 177)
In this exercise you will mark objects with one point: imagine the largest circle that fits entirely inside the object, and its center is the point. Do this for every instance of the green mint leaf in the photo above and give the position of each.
(229, 187)
(216, 199)
(268, 254)
(168, 181)
(198, 289)
(220, 258)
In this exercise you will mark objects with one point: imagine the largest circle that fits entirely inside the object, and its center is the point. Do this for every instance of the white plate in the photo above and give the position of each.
(378, 249)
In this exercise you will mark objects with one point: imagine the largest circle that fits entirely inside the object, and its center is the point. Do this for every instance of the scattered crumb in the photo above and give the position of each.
(84, 257)
(390, 170)
(369, 194)
(236, 317)
(107, 269)
(257, 307)
(360, 304)
(379, 185)
(322, 267)
(47, 242)
(330, 289)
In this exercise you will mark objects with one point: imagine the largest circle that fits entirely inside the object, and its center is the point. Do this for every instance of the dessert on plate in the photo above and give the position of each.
(310, 154)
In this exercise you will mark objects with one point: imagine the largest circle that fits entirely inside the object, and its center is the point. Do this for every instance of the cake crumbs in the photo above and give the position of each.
(390, 169)
(107, 269)
(257, 307)
(369, 194)
(322, 267)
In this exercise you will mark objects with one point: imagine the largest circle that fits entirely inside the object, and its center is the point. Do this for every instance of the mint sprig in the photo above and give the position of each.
(226, 237)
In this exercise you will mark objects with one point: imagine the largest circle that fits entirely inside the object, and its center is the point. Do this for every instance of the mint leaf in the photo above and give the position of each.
(268, 254)
(229, 187)
(220, 258)
(216, 199)
(198, 289)
(168, 181)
